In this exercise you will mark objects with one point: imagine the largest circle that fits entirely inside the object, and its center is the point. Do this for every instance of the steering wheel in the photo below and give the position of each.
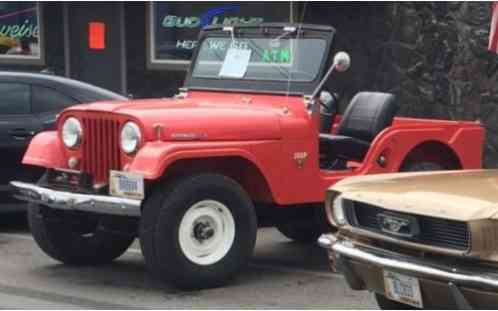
(328, 109)
(326, 106)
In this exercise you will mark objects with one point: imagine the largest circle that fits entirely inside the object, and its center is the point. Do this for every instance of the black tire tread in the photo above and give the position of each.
(56, 240)
(300, 233)
(163, 205)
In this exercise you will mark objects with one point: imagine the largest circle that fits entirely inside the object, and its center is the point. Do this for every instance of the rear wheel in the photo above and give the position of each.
(199, 231)
(302, 233)
(307, 224)
(387, 304)
(422, 166)
(78, 239)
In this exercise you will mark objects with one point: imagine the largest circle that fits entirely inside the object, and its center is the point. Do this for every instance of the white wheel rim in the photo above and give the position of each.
(206, 232)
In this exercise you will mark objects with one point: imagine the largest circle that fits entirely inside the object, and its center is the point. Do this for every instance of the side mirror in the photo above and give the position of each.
(342, 61)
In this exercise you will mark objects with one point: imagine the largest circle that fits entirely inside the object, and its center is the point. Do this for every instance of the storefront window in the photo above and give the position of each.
(20, 35)
(174, 27)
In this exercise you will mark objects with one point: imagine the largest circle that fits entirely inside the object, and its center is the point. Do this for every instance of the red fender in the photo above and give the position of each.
(153, 159)
(45, 150)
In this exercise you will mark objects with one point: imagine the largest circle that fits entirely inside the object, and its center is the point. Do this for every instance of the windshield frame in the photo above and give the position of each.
(262, 86)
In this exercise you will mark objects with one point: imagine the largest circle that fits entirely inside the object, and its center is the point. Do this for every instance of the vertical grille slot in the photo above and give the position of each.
(100, 147)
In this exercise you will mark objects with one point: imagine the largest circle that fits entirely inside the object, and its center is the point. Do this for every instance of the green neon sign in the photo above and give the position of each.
(277, 55)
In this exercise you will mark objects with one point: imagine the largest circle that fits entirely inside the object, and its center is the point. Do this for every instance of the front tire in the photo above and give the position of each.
(75, 238)
(199, 231)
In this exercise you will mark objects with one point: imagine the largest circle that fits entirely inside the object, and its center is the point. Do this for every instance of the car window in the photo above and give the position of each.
(46, 100)
(14, 98)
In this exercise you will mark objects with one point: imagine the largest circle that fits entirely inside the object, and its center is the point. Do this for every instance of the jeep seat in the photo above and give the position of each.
(366, 116)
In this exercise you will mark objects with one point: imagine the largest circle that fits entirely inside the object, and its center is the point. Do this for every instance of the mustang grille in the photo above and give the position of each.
(100, 147)
(434, 231)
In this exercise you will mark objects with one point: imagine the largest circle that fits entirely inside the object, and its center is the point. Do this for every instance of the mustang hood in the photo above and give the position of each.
(458, 195)
(197, 118)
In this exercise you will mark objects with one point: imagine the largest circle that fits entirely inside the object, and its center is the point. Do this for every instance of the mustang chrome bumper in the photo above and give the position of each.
(344, 254)
(64, 200)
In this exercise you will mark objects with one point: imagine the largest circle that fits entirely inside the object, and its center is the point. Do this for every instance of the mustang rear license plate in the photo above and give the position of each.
(403, 288)
(126, 185)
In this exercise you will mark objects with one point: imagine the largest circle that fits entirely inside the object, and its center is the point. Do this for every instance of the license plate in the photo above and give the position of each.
(403, 288)
(127, 185)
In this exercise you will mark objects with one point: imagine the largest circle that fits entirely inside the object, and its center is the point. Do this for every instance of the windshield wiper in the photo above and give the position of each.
(287, 31)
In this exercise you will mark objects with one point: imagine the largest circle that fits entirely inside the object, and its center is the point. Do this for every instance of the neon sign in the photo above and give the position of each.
(175, 26)
(277, 55)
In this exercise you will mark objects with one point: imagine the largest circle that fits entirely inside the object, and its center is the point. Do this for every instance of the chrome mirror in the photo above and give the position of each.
(342, 61)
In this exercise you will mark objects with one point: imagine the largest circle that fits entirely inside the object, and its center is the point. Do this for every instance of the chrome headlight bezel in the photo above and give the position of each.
(130, 137)
(338, 214)
(72, 133)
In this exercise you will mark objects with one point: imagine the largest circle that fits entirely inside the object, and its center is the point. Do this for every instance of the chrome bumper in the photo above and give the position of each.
(63, 200)
(343, 251)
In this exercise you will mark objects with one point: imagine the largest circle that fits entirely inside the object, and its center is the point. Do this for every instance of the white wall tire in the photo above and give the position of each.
(206, 232)
(198, 232)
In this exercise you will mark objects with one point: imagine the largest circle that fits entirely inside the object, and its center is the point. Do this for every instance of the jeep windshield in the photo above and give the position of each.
(279, 60)
(260, 59)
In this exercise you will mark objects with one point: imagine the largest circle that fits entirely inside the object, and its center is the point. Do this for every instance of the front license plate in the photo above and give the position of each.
(127, 185)
(403, 288)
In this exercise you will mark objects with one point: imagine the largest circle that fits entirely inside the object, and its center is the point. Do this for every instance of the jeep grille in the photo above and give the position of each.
(100, 147)
(434, 231)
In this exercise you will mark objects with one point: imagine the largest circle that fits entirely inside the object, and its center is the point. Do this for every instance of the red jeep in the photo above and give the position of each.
(252, 139)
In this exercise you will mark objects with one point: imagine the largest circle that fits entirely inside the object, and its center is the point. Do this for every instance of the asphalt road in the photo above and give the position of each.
(282, 274)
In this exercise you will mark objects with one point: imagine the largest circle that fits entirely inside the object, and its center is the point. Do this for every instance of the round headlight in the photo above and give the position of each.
(130, 137)
(72, 132)
(338, 210)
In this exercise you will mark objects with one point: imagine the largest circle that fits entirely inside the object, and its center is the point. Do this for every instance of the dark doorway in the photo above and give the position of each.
(96, 44)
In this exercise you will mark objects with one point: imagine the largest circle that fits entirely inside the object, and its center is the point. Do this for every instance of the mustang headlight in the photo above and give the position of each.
(72, 133)
(130, 137)
(338, 211)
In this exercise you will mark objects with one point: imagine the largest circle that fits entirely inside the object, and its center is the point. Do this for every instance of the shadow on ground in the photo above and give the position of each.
(14, 222)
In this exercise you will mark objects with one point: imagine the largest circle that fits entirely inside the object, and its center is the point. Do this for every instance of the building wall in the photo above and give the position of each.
(143, 82)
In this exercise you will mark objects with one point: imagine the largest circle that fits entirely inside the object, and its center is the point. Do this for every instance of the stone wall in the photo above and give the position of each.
(433, 56)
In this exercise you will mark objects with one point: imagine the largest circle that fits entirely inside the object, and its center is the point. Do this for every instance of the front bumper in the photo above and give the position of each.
(64, 200)
(441, 285)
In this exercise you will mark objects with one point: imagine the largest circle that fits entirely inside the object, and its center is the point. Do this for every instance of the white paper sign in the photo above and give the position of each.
(235, 63)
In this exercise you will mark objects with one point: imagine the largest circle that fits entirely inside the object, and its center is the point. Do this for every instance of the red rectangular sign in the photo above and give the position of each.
(96, 35)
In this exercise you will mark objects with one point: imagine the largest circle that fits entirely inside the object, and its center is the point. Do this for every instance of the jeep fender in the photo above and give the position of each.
(154, 159)
(45, 150)
(397, 143)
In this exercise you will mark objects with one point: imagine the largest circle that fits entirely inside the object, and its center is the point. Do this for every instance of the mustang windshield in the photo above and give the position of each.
(279, 59)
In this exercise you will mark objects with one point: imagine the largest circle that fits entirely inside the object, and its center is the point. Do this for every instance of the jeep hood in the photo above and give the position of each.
(220, 118)
(458, 195)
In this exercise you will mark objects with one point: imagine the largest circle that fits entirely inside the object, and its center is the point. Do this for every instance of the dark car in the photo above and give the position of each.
(29, 103)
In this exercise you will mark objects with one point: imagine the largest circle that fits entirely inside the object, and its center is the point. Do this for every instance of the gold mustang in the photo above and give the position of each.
(418, 239)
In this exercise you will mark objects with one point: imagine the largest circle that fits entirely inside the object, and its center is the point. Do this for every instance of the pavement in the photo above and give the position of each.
(281, 274)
